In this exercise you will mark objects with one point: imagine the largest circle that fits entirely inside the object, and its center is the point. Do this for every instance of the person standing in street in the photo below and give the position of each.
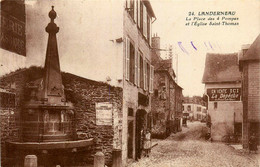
(147, 143)
(252, 143)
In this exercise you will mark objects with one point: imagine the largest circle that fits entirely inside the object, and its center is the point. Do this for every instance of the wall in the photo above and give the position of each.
(10, 117)
(254, 91)
(251, 98)
(84, 94)
(86, 38)
(130, 94)
(159, 106)
(226, 113)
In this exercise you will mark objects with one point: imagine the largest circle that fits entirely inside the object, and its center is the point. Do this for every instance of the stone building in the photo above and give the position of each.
(167, 97)
(112, 46)
(249, 65)
(222, 81)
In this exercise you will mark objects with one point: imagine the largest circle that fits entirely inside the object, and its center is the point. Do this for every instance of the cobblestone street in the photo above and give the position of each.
(189, 149)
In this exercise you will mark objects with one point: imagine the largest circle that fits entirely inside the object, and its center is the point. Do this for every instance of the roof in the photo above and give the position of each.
(149, 7)
(221, 68)
(253, 53)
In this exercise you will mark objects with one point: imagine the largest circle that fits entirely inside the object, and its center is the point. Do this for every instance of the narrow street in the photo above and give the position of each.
(189, 149)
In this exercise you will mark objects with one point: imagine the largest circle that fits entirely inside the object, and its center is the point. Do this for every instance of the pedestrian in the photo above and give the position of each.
(252, 143)
(147, 143)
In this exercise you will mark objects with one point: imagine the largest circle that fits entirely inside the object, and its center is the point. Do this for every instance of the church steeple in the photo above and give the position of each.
(53, 88)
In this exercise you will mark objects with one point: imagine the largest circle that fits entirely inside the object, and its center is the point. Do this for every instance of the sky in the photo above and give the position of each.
(170, 26)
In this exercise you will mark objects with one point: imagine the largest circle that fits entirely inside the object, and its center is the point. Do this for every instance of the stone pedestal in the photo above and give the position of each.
(30, 161)
(99, 159)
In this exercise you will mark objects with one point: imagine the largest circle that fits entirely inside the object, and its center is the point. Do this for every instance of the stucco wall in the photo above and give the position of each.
(226, 114)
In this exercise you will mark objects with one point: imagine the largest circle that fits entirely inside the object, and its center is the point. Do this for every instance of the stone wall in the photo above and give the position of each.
(10, 115)
(84, 94)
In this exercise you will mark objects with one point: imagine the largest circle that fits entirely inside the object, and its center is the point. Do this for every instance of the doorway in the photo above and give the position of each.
(140, 125)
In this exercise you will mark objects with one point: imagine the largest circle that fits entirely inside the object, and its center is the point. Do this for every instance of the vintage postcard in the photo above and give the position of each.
(117, 83)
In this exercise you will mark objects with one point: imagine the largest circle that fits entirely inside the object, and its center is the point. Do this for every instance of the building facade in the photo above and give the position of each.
(195, 108)
(222, 81)
(112, 45)
(250, 67)
(196, 112)
(167, 97)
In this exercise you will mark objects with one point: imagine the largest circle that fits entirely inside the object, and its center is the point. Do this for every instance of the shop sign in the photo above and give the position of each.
(224, 94)
(12, 27)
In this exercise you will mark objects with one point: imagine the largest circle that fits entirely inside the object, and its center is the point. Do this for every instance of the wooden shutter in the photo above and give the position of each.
(138, 13)
(139, 70)
(128, 3)
(127, 55)
(144, 21)
(136, 66)
(135, 10)
(151, 78)
(145, 70)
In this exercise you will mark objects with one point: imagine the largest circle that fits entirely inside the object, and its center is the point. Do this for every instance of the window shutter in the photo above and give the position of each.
(144, 21)
(136, 66)
(150, 31)
(127, 55)
(135, 10)
(144, 74)
(138, 72)
(128, 3)
(138, 13)
(151, 78)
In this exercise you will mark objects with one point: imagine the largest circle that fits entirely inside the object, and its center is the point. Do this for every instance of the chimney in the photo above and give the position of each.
(156, 45)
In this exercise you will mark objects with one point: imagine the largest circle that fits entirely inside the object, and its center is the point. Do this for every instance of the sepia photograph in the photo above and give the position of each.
(130, 83)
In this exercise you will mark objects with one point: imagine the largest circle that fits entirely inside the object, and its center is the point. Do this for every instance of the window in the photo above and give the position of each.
(198, 108)
(215, 105)
(188, 108)
(132, 63)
